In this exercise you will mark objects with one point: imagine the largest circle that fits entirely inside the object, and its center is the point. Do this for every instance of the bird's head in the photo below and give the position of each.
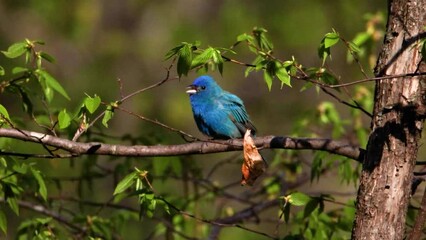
(203, 86)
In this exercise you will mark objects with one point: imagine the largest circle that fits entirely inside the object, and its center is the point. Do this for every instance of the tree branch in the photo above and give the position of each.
(200, 147)
(43, 210)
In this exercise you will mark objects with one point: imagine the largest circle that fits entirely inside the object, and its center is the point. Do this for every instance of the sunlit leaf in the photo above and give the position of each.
(3, 112)
(41, 184)
(218, 60)
(298, 199)
(109, 113)
(331, 39)
(244, 37)
(92, 103)
(17, 70)
(64, 119)
(51, 82)
(2, 72)
(268, 79)
(203, 57)
(16, 50)
(184, 60)
(262, 41)
(125, 183)
(282, 75)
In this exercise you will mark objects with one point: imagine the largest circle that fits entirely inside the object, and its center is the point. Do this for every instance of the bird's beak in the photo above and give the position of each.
(191, 89)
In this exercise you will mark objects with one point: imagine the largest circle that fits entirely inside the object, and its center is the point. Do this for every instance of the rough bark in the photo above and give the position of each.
(398, 117)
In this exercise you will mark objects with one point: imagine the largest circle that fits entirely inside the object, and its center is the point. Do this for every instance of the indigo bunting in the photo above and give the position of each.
(218, 113)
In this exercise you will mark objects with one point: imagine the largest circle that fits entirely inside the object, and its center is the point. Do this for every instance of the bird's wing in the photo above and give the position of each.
(237, 112)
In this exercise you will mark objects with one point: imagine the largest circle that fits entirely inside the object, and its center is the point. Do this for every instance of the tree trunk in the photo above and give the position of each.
(385, 185)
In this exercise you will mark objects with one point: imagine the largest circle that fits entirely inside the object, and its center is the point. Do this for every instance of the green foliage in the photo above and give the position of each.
(92, 103)
(42, 190)
(146, 198)
(298, 199)
(37, 228)
(3, 114)
(184, 54)
(109, 113)
(364, 43)
(182, 191)
(3, 222)
(48, 84)
(17, 49)
(313, 222)
(329, 40)
(64, 119)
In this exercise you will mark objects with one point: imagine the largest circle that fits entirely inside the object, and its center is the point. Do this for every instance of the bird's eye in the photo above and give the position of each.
(203, 87)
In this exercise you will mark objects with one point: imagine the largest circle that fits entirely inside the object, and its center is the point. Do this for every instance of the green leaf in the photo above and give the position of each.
(16, 50)
(326, 76)
(184, 60)
(298, 199)
(47, 57)
(125, 183)
(361, 38)
(20, 168)
(173, 51)
(3, 222)
(282, 75)
(52, 83)
(244, 37)
(2, 72)
(13, 204)
(310, 207)
(109, 113)
(4, 112)
(64, 119)
(92, 103)
(17, 70)
(331, 39)
(41, 184)
(218, 60)
(323, 52)
(262, 41)
(354, 47)
(203, 57)
(268, 79)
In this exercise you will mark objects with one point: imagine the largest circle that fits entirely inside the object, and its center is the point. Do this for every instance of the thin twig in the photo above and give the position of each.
(357, 106)
(79, 131)
(55, 215)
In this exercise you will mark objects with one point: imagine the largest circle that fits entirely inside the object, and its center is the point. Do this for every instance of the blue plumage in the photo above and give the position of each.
(218, 113)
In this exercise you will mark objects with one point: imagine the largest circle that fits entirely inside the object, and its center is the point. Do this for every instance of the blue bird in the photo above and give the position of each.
(218, 113)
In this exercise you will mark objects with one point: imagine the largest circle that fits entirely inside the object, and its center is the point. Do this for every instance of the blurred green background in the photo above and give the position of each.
(96, 42)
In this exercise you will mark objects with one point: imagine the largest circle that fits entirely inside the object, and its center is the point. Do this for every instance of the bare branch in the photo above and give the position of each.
(43, 210)
(201, 147)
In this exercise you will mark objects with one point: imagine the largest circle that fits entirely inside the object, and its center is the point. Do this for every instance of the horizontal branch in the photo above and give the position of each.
(200, 147)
